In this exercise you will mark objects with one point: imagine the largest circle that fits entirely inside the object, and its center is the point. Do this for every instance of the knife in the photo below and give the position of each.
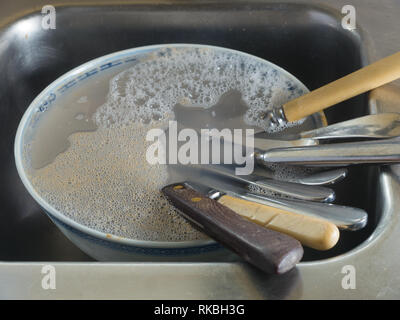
(270, 251)
(335, 154)
(344, 217)
(291, 189)
(373, 126)
(312, 232)
(360, 81)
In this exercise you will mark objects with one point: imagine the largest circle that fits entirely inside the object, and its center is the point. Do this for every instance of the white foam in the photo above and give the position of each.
(104, 181)
(197, 77)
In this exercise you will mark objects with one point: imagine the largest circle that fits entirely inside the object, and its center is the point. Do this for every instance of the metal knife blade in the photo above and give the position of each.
(344, 217)
(291, 189)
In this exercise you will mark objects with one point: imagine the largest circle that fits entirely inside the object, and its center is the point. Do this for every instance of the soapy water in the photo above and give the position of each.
(193, 77)
(103, 181)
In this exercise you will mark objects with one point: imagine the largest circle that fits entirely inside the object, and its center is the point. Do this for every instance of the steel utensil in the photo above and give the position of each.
(271, 251)
(323, 177)
(291, 189)
(375, 126)
(344, 217)
(336, 154)
(312, 232)
(360, 81)
(320, 178)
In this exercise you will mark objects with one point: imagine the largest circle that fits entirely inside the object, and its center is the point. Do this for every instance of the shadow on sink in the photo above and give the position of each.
(306, 41)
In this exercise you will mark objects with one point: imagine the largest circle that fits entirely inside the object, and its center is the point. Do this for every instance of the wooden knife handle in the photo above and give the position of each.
(271, 251)
(360, 81)
(312, 232)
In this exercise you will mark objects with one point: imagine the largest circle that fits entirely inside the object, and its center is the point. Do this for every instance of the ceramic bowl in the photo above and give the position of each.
(99, 245)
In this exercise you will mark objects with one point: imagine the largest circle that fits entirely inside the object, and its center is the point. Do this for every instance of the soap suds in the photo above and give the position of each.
(103, 180)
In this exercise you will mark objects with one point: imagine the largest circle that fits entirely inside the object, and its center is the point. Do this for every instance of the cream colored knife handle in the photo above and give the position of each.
(360, 81)
(311, 232)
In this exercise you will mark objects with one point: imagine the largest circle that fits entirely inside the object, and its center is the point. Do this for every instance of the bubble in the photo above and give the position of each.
(103, 180)
(194, 77)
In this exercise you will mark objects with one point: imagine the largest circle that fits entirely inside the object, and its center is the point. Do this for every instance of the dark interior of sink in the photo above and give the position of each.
(306, 41)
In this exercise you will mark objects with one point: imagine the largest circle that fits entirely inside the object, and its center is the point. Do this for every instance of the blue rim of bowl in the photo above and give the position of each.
(68, 80)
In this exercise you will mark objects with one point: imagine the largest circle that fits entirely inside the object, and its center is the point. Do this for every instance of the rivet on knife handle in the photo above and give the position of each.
(271, 251)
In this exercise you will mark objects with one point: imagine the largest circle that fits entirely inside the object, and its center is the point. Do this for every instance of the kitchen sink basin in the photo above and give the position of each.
(307, 41)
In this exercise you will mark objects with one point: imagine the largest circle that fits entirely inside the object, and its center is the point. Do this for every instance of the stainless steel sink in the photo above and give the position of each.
(306, 39)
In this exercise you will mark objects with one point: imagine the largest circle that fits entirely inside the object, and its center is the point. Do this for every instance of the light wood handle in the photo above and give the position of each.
(271, 251)
(311, 232)
(360, 81)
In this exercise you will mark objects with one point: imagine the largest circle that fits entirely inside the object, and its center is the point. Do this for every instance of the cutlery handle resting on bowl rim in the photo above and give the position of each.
(270, 251)
(370, 77)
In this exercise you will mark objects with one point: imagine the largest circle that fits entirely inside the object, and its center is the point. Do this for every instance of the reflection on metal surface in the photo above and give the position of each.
(32, 63)
(383, 125)
(336, 154)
